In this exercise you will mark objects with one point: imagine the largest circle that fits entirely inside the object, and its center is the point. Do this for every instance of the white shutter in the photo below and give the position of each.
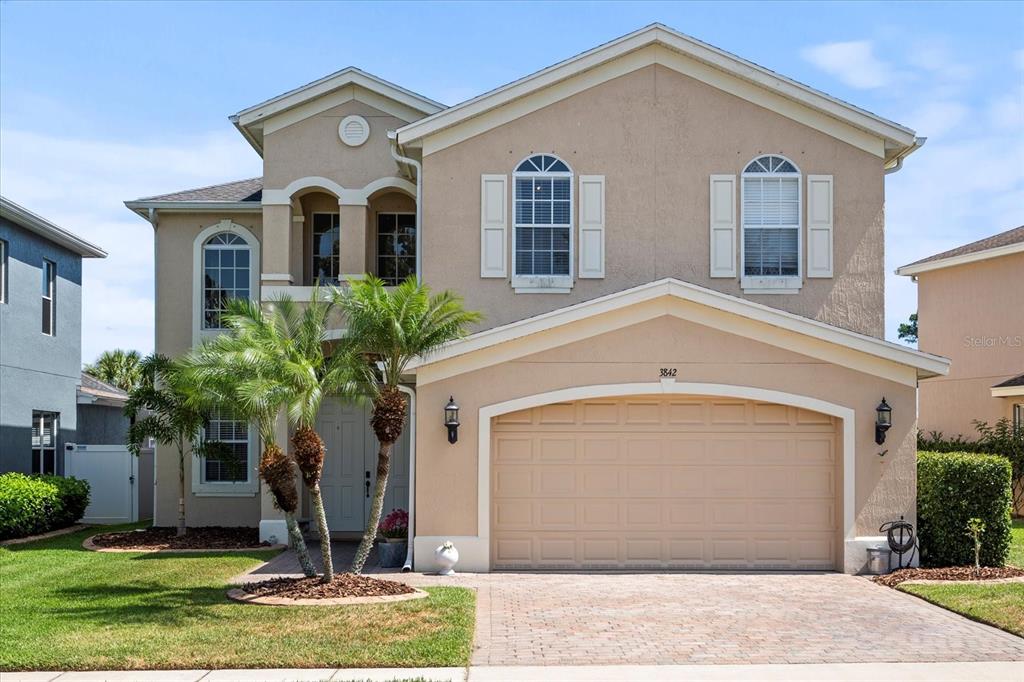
(493, 225)
(591, 226)
(819, 225)
(723, 225)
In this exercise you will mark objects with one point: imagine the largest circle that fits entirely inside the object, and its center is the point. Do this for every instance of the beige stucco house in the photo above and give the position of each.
(970, 311)
(679, 255)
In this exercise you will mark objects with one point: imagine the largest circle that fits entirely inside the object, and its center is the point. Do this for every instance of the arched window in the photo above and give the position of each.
(226, 275)
(771, 221)
(543, 221)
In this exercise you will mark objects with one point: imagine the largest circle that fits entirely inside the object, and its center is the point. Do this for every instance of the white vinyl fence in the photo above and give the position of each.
(113, 476)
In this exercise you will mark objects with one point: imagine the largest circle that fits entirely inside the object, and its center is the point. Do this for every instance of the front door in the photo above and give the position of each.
(350, 467)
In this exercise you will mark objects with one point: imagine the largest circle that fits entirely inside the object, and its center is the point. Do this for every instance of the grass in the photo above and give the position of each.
(65, 608)
(1001, 604)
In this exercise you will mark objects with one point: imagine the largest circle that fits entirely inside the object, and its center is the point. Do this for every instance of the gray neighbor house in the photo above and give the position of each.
(40, 339)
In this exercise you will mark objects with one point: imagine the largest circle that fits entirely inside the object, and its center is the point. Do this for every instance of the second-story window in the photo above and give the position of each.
(49, 298)
(326, 247)
(543, 218)
(226, 275)
(771, 218)
(3, 271)
(396, 247)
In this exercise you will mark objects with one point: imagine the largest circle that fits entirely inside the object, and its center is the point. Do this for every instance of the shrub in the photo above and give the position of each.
(952, 489)
(37, 504)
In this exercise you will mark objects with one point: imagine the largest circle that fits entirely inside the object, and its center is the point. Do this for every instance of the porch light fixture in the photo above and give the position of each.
(451, 419)
(883, 421)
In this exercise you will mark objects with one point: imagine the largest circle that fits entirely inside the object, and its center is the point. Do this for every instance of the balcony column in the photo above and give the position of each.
(353, 217)
(277, 245)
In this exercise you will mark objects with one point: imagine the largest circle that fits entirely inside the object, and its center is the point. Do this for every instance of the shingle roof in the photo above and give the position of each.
(1014, 236)
(240, 190)
(1015, 381)
(101, 389)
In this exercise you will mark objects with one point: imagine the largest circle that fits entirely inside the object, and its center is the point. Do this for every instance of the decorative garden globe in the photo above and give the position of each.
(446, 557)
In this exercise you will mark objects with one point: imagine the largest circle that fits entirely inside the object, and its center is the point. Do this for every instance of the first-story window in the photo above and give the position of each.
(226, 456)
(396, 247)
(49, 298)
(326, 248)
(44, 442)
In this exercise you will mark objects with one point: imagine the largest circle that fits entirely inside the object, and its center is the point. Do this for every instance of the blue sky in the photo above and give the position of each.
(102, 102)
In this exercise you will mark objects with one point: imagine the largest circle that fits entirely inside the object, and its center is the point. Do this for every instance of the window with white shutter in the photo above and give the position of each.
(542, 228)
(771, 226)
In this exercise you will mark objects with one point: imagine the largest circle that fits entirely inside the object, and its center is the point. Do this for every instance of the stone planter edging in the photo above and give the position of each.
(244, 597)
(93, 547)
(44, 536)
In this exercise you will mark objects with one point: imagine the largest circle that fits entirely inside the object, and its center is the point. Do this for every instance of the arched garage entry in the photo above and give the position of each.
(666, 476)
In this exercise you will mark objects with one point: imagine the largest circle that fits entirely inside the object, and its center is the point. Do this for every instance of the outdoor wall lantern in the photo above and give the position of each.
(883, 421)
(451, 419)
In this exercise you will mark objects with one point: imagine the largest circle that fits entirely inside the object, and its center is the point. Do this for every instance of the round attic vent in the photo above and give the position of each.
(353, 130)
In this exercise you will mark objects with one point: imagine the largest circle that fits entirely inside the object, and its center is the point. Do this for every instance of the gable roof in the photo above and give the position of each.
(925, 364)
(249, 121)
(32, 222)
(93, 390)
(1011, 388)
(1002, 244)
(899, 140)
(240, 195)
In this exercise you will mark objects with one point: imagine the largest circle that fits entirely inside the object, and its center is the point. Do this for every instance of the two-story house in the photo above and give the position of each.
(679, 255)
(40, 339)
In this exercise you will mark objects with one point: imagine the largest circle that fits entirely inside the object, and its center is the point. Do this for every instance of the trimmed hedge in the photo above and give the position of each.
(37, 504)
(952, 488)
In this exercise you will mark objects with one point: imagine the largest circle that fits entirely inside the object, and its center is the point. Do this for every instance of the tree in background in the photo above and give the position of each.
(158, 407)
(385, 330)
(908, 330)
(121, 368)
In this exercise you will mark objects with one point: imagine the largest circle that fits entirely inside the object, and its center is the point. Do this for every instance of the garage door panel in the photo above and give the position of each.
(680, 483)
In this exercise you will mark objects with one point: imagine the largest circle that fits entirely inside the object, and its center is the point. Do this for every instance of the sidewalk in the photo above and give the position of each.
(825, 672)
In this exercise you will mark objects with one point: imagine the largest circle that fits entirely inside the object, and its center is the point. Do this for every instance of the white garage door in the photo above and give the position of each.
(664, 483)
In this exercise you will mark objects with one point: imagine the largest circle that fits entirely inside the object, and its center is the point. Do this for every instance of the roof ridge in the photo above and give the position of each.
(964, 249)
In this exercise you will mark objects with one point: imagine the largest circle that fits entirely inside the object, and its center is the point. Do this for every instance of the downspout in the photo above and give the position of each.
(918, 143)
(411, 392)
(393, 137)
(154, 220)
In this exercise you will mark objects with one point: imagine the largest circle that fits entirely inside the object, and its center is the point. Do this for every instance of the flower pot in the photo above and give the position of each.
(391, 554)
(446, 557)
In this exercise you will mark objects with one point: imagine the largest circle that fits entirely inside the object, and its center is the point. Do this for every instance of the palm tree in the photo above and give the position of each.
(228, 376)
(387, 329)
(274, 358)
(158, 407)
(121, 368)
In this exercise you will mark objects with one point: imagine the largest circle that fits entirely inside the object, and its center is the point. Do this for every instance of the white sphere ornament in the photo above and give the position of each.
(446, 557)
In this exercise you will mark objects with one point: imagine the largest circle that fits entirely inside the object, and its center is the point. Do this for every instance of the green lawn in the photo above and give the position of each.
(64, 608)
(1001, 605)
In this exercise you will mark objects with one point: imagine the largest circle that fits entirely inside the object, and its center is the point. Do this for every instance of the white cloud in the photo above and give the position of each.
(853, 62)
(81, 184)
(937, 118)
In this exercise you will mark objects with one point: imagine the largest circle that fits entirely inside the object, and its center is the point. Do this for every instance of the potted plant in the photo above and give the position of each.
(394, 530)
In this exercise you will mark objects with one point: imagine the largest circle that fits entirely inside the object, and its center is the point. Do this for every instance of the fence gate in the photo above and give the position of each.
(112, 473)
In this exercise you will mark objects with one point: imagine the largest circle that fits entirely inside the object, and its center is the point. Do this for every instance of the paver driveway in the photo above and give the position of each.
(679, 618)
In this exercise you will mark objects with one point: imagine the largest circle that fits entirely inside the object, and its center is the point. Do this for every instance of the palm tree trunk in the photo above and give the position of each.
(296, 541)
(181, 488)
(383, 467)
(325, 532)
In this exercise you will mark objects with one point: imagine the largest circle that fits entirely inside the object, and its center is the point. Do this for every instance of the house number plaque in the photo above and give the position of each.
(668, 372)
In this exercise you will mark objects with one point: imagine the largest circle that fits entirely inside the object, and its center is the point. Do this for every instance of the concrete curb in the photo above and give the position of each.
(245, 597)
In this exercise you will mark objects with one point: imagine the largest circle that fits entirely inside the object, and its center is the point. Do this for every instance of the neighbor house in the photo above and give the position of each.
(970, 311)
(40, 339)
(679, 256)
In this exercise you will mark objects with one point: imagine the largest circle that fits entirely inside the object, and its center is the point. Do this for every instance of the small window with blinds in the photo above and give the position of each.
(44, 442)
(226, 449)
(771, 223)
(543, 221)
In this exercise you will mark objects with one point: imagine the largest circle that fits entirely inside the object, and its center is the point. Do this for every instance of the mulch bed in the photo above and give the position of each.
(951, 573)
(344, 585)
(208, 537)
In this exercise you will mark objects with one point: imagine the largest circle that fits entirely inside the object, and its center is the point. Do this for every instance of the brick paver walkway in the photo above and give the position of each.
(680, 618)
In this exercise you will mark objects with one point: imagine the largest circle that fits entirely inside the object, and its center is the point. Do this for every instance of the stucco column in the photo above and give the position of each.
(277, 243)
(353, 238)
(273, 528)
